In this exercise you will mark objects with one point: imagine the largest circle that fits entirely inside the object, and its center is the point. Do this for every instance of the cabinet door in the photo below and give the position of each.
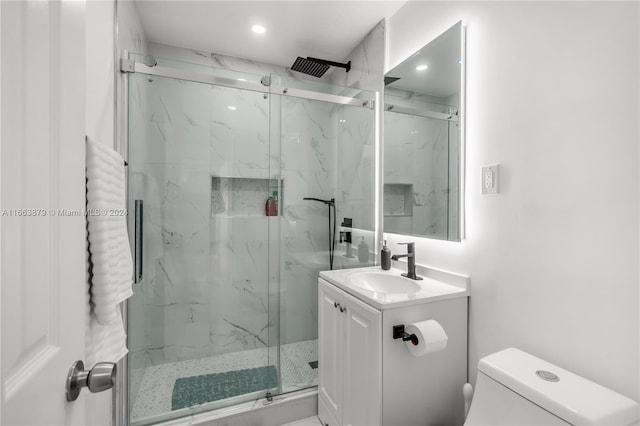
(330, 356)
(362, 373)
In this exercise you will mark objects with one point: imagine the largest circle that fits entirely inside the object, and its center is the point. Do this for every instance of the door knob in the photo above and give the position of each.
(100, 378)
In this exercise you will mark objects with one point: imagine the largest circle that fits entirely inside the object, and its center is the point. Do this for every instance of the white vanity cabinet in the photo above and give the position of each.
(349, 359)
(357, 353)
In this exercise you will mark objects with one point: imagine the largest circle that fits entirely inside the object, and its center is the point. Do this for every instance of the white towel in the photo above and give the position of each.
(106, 343)
(111, 261)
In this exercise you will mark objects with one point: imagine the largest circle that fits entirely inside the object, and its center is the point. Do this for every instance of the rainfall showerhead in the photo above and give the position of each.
(316, 67)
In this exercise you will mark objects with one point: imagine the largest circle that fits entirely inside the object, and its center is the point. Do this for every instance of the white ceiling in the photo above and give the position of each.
(323, 29)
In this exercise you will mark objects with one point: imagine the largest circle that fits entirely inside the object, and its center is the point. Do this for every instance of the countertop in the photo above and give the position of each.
(436, 285)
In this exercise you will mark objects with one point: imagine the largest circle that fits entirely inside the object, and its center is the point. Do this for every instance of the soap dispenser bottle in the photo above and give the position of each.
(385, 257)
(363, 251)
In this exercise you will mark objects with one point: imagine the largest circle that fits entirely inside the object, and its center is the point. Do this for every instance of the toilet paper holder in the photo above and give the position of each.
(399, 333)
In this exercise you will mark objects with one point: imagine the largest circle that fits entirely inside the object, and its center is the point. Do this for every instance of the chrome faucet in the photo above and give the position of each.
(411, 261)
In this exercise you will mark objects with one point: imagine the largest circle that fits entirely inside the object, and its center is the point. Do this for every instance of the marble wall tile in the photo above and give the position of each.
(417, 152)
(355, 165)
(356, 155)
(239, 133)
(442, 220)
(308, 165)
(233, 65)
(367, 63)
(454, 181)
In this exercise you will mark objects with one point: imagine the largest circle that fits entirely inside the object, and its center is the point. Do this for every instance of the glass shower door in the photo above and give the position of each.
(225, 310)
(327, 153)
(198, 323)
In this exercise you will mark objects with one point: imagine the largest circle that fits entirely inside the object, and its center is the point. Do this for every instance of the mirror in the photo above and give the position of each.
(423, 140)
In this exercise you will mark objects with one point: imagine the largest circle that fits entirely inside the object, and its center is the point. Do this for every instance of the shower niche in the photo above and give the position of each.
(398, 199)
(244, 196)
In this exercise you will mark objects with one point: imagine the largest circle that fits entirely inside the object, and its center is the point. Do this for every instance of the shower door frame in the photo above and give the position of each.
(131, 66)
(121, 414)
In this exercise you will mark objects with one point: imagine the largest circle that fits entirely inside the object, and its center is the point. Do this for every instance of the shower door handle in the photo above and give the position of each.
(138, 234)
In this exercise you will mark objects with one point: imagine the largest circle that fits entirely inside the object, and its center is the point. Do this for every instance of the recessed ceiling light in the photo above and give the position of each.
(242, 79)
(231, 107)
(258, 29)
(421, 67)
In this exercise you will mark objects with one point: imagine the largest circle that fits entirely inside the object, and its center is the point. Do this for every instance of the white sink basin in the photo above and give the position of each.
(388, 289)
(380, 282)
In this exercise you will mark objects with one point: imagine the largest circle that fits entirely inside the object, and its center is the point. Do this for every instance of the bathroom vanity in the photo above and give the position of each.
(366, 377)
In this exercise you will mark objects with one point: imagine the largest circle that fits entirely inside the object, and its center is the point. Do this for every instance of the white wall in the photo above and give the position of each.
(552, 95)
(100, 69)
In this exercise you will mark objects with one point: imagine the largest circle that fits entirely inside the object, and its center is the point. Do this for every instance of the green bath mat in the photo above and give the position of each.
(189, 391)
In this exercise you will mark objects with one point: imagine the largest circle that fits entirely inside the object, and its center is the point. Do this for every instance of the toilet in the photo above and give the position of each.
(515, 388)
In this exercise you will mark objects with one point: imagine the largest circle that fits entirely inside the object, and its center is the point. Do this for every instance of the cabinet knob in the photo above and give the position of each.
(343, 309)
(336, 304)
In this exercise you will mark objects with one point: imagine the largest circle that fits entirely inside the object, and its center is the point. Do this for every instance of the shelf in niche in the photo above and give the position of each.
(240, 197)
(398, 200)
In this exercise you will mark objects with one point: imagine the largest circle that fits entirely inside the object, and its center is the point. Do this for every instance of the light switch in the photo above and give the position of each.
(490, 179)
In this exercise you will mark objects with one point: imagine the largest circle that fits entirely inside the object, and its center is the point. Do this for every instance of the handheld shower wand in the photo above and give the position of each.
(332, 236)
(330, 202)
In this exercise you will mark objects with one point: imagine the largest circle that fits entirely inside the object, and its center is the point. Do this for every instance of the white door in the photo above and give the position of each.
(42, 253)
(362, 372)
(330, 354)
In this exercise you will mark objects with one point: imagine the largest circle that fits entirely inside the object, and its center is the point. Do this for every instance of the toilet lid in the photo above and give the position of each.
(567, 395)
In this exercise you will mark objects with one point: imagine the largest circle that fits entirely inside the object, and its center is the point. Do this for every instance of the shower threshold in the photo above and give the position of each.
(153, 401)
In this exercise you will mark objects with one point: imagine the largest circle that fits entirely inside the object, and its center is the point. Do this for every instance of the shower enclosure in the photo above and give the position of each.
(227, 251)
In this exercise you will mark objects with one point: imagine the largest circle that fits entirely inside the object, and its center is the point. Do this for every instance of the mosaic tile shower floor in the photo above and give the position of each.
(156, 387)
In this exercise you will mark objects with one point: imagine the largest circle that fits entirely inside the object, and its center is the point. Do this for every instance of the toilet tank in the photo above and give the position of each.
(515, 388)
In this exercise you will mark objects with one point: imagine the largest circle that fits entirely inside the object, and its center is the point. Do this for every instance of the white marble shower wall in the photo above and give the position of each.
(356, 136)
(184, 57)
(356, 172)
(308, 152)
(327, 152)
(418, 158)
(367, 63)
(416, 154)
(239, 228)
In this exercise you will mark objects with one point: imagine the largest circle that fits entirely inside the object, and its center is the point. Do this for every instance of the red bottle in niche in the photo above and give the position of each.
(271, 207)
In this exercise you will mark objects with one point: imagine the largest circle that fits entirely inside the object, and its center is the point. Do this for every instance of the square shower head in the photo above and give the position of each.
(310, 67)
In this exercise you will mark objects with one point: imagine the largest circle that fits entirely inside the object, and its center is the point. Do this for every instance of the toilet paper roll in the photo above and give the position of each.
(431, 337)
